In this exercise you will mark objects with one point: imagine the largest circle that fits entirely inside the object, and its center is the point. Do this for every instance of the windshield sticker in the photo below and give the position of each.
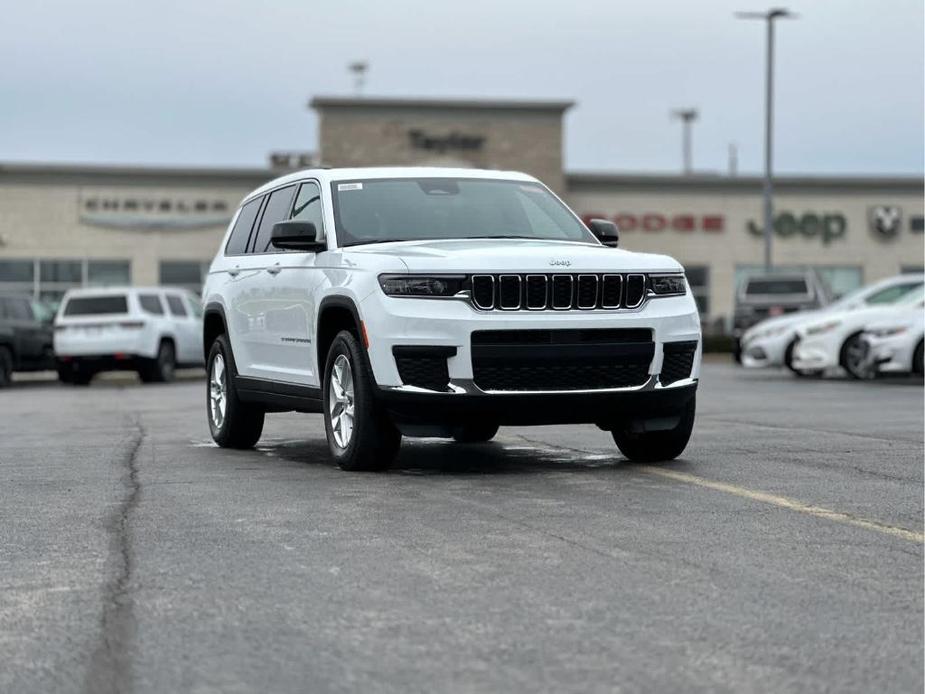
(349, 186)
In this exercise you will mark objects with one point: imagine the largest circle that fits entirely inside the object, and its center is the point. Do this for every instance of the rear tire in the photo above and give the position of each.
(162, 368)
(6, 367)
(476, 432)
(360, 434)
(658, 446)
(918, 359)
(232, 422)
(853, 358)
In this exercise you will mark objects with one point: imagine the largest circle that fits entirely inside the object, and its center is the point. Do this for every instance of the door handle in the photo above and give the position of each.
(236, 271)
(274, 269)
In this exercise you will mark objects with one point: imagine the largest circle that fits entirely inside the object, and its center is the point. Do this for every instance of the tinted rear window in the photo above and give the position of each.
(96, 305)
(151, 303)
(237, 243)
(776, 286)
(176, 305)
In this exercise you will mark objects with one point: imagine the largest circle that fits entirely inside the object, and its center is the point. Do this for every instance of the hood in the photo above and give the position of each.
(516, 255)
(782, 322)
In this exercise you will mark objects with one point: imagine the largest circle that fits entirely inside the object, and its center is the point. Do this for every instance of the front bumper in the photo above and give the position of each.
(816, 354)
(763, 352)
(398, 322)
(891, 354)
(604, 408)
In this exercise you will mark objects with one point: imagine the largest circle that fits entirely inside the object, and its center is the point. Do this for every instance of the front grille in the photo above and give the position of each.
(561, 360)
(559, 291)
(678, 361)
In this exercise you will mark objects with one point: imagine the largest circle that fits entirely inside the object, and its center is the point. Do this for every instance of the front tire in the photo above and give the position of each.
(918, 359)
(233, 423)
(6, 367)
(475, 432)
(162, 368)
(657, 446)
(853, 358)
(360, 434)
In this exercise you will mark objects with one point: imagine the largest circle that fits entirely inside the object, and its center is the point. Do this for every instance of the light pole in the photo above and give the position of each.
(687, 116)
(769, 17)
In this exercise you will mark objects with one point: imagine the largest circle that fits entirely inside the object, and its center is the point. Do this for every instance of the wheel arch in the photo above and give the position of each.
(336, 313)
(213, 325)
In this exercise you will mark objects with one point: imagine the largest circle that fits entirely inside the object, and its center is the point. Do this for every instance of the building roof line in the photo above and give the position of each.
(431, 103)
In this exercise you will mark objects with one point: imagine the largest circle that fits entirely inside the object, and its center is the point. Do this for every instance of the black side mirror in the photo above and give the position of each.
(605, 231)
(296, 235)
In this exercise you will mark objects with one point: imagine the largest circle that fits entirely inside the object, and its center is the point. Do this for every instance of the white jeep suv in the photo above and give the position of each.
(442, 302)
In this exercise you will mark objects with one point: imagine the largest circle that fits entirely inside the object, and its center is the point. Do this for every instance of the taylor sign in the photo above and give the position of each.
(138, 210)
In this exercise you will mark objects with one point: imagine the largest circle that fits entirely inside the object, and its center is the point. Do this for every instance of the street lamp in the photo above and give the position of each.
(769, 17)
(687, 116)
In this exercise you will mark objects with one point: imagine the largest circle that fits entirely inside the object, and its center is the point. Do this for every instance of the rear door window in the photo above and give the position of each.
(277, 210)
(240, 234)
(175, 304)
(19, 309)
(151, 303)
(96, 305)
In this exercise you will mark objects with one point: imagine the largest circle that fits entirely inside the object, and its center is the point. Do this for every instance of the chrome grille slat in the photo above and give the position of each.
(559, 284)
(560, 291)
(537, 286)
(587, 284)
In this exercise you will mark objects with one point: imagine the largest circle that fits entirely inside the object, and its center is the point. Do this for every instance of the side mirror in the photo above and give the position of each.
(605, 231)
(296, 235)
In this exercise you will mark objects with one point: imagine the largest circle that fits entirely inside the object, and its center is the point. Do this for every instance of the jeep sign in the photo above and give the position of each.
(827, 227)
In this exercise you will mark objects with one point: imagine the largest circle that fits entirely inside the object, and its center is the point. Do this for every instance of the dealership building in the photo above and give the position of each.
(65, 226)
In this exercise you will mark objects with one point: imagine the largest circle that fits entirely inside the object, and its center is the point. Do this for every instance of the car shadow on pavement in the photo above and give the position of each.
(443, 457)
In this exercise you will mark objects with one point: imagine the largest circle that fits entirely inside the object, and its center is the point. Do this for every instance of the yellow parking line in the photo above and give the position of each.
(784, 502)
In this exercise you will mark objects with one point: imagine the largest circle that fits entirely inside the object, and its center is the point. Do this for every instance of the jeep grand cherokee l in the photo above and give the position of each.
(442, 302)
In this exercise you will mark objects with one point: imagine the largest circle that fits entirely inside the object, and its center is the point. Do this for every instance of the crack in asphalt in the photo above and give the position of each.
(111, 666)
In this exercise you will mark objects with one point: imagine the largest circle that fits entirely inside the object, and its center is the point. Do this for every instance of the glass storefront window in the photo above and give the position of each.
(698, 277)
(183, 273)
(70, 271)
(102, 273)
(17, 270)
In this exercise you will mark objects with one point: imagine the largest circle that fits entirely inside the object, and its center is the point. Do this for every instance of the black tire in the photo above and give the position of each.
(788, 362)
(918, 359)
(162, 368)
(241, 424)
(373, 441)
(475, 432)
(658, 446)
(74, 374)
(847, 358)
(6, 367)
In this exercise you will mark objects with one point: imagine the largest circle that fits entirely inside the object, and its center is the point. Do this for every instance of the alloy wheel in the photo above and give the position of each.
(341, 402)
(218, 391)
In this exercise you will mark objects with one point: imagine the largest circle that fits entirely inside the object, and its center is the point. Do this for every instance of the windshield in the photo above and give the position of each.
(911, 298)
(412, 209)
(96, 305)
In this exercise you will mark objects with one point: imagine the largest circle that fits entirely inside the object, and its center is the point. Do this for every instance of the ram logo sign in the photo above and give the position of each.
(885, 221)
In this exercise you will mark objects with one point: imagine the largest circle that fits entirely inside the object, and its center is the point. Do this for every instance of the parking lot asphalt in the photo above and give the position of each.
(783, 552)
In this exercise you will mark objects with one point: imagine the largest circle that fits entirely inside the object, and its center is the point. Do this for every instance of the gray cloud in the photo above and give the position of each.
(222, 83)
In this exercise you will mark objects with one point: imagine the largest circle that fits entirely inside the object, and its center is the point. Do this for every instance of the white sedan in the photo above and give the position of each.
(896, 345)
(837, 338)
(771, 342)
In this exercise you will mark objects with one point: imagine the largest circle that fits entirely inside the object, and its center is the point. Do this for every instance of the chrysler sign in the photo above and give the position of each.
(140, 210)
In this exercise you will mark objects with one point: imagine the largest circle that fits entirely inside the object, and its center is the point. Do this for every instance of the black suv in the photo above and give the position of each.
(25, 337)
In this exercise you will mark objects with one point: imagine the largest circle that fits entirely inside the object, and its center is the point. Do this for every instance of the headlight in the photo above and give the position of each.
(664, 285)
(416, 285)
(821, 328)
(886, 332)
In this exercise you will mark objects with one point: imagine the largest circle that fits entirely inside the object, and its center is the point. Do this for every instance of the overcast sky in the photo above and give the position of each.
(218, 83)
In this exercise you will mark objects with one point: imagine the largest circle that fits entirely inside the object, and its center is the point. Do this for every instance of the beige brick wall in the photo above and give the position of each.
(722, 250)
(529, 141)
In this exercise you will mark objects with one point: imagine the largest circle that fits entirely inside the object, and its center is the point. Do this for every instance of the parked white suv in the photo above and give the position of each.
(148, 330)
(442, 302)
